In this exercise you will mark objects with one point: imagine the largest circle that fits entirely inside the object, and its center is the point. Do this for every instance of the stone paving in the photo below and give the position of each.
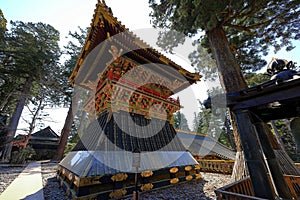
(27, 186)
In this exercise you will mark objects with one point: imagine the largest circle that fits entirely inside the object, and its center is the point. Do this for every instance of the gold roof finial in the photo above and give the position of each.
(102, 3)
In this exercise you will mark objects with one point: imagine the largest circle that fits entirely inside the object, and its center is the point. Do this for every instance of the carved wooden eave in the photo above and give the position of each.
(104, 25)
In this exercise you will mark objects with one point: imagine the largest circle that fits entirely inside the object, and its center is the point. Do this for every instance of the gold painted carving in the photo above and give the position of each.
(198, 176)
(174, 180)
(117, 194)
(188, 168)
(146, 174)
(119, 177)
(77, 181)
(147, 186)
(188, 178)
(197, 167)
(174, 170)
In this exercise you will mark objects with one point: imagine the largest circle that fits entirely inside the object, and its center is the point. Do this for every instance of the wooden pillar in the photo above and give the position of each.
(254, 159)
(278, 178)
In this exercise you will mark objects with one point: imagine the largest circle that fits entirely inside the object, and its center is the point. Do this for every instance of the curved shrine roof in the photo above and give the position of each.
(202, 145)
(104, 25)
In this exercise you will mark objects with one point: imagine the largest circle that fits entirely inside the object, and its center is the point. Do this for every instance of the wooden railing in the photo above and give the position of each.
(216, 166)
(243, 189)
(237, 190)
(294, 185)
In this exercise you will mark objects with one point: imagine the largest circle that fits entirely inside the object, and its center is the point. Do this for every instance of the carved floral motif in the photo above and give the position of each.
(198, 176)
(188, 168)
(146, 174)
(119, 177)
(117, 194)
(174, 180)
(174, 170)
(147, 186)
(188, 178)
(197, 167)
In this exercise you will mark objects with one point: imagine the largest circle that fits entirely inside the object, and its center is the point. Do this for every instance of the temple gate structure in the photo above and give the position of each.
(129, 104)
(272, 173)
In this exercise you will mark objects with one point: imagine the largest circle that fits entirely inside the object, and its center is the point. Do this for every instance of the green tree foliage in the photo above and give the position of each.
(31, 65)
(256, 78)
(31, 54)
(6, 83)
(250, 27)
(201, 120)
(180, 121)
(72, 51)
(285, 134)
(208, 122)
(22, 155)
(3, 22)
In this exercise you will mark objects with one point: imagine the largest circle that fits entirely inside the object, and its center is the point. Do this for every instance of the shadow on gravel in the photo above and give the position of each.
(52, 189)
(191, 190)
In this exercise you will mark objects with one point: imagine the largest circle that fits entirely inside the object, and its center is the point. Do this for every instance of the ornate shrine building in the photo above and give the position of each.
(129, 106)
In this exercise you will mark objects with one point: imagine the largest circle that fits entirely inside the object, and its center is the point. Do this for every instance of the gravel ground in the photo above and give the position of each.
(8, 174)
(201, 189)
(52, 190)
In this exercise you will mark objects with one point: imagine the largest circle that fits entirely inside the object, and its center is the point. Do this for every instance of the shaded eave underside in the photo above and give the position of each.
(104, 22)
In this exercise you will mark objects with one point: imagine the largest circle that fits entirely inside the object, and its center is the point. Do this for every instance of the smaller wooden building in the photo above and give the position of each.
(44, 142)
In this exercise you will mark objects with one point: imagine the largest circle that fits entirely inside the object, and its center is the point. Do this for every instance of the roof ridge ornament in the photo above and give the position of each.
(102, 2)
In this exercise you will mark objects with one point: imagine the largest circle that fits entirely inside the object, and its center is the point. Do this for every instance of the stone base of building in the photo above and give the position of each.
(115, 186)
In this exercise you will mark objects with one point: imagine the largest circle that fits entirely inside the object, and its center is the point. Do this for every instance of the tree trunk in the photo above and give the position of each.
(231, 80)
(230, 74)
(14, 120)
(35, 114)
(65, 134)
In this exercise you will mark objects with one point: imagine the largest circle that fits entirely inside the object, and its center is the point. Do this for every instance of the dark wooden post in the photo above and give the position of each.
(278, 178)
(258, 173)
(136, 161)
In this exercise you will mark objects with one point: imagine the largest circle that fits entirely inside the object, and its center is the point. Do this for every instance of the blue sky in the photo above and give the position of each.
(67, 15)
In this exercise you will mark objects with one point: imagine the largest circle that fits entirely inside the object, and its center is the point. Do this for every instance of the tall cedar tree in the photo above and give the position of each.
(180, 121)
(72, 49)
(32, 56)
(237, 33)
